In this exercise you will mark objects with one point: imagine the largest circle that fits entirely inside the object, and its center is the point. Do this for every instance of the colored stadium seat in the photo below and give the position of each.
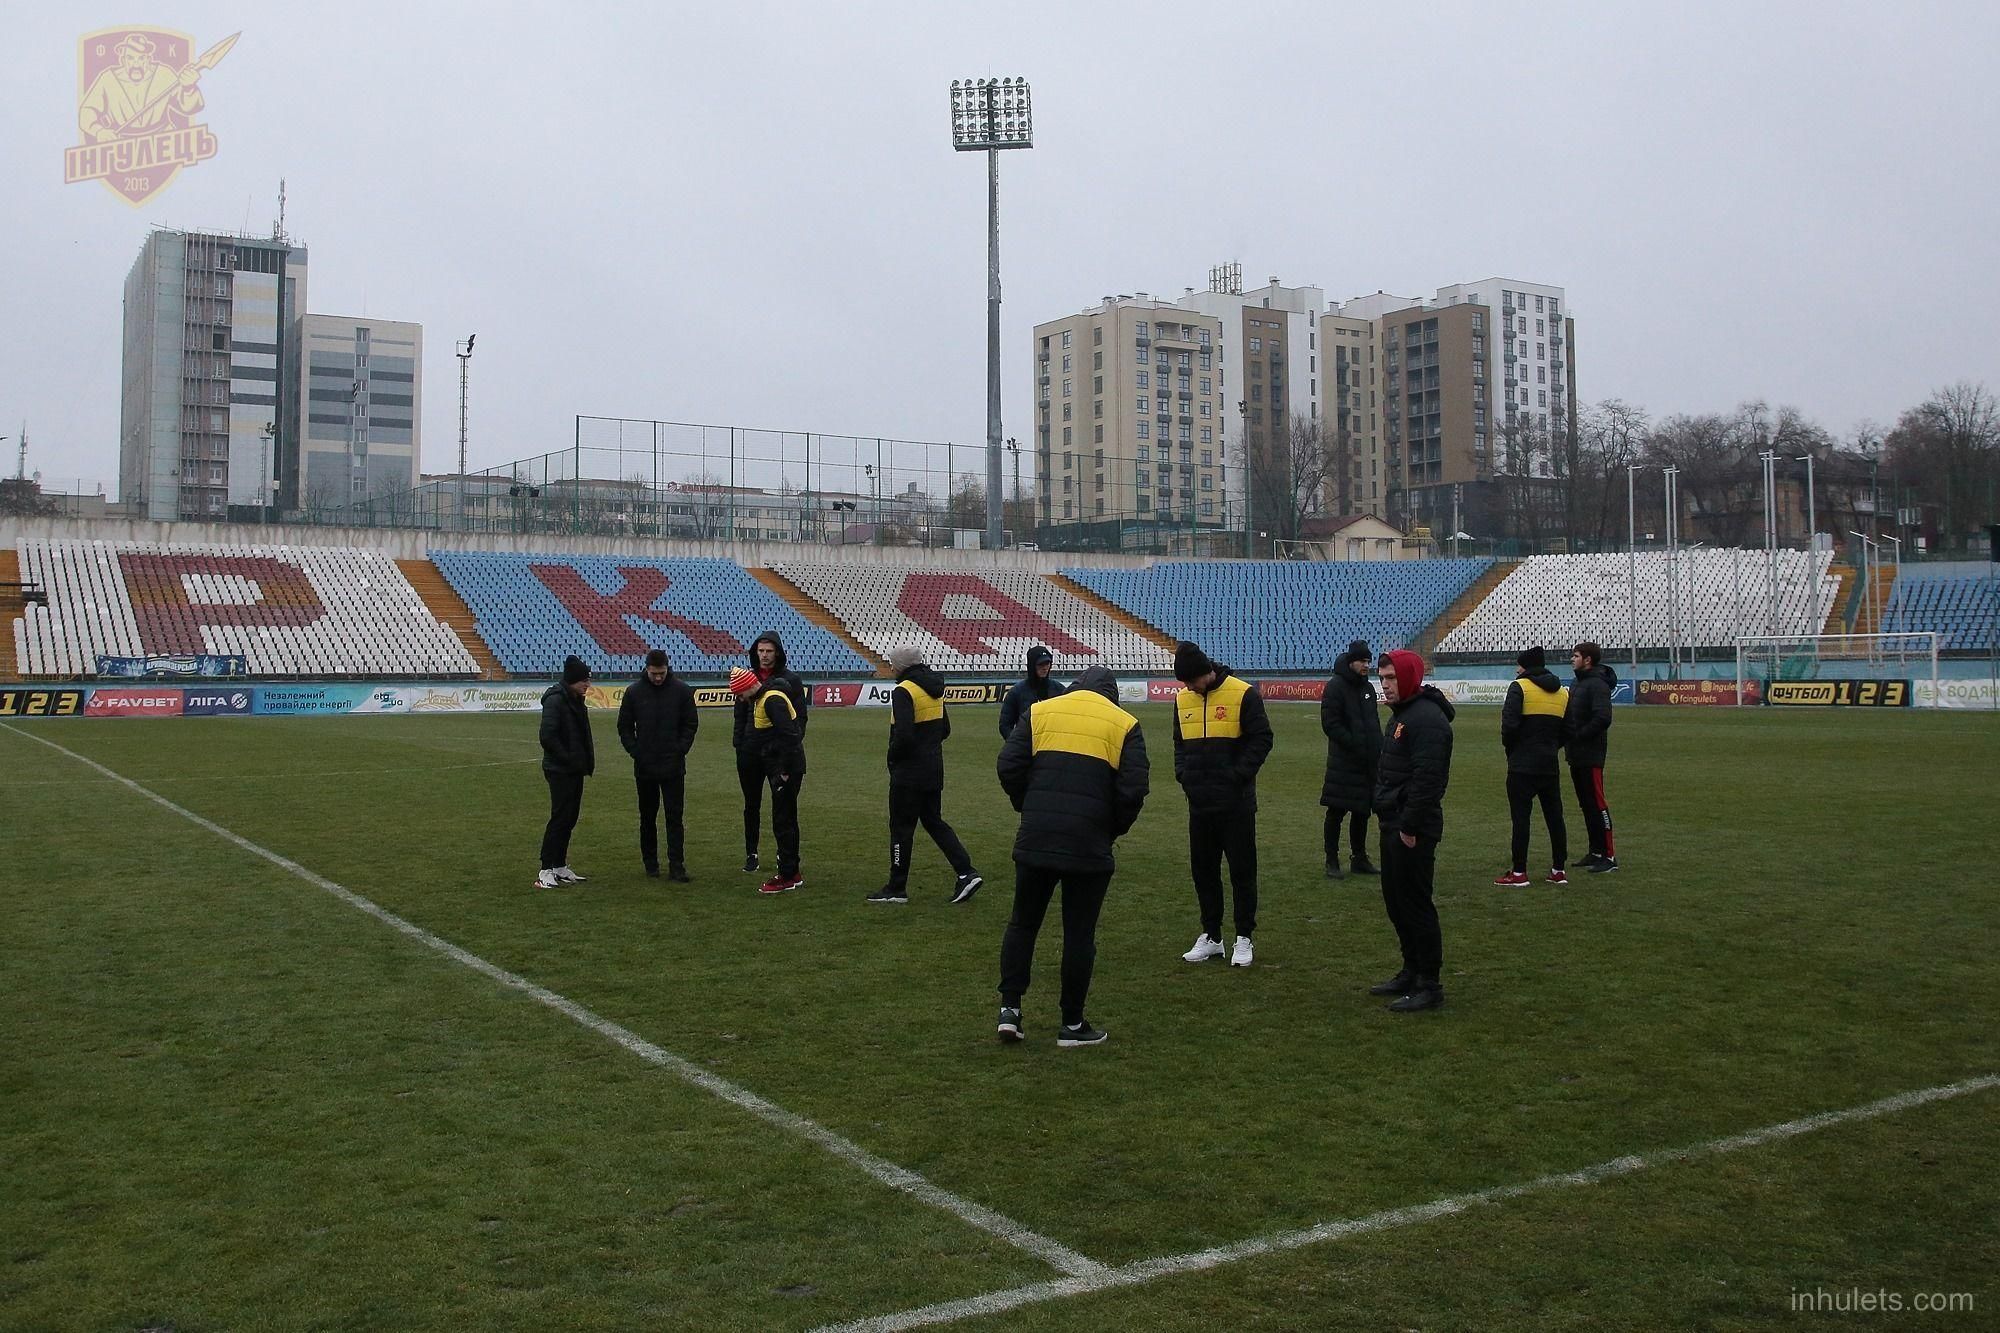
(1955, 601)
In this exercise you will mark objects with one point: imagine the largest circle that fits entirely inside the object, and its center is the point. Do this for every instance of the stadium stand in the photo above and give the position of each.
(1957, 602)
(1563, 599)
(1262, 615)
(289, 610)
(535, 609)
(974, 622)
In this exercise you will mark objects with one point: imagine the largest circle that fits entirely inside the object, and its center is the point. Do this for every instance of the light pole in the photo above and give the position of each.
(264, 473)
(1868, 556)
(464, 353)
(1672, 476)
(1812, 546)
(1249, 475)
(1632, 562)
(989, 115)
(1014, 448)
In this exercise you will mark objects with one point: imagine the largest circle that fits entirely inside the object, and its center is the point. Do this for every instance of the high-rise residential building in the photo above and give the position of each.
(208, 402)
(1129, 415)
(361, 381)
(1350, 415)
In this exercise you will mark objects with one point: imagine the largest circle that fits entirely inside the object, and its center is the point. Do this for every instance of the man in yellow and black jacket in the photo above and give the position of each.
(1221, 739)
(775, 736)
(918, 728)
(1532, 729)
(1075, 768)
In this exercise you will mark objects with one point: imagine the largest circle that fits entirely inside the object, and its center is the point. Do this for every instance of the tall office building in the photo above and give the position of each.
(1129, 422)
(208, 413)
(361, 381)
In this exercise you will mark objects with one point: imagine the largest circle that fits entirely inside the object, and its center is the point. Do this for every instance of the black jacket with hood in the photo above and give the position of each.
(1028, 691)
(656, 725)
(1416, 765)
(567, 746)
(1353, 726)
(1078, 774)
(1589, 715)
(795, 689)
(916, 748)
(1532, 726)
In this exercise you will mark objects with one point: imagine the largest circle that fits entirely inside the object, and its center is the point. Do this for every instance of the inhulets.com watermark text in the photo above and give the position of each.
(1859, 1300)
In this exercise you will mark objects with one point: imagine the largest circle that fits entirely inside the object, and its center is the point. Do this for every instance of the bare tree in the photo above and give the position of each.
(1609, 438)
(1289, 485)
(1947, 449)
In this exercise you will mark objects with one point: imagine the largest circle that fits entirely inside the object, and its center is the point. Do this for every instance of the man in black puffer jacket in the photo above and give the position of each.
(1029, 690)
(1409, 801)
(1075, 768)
(1221, 739)
(657, 725)
(569, 755)
(1588, 722)
(767, 662)
(1353, 727)
(1531, 732)
(918, 728)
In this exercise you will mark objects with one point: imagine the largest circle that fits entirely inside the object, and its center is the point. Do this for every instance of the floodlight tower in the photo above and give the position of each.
(464, 354)
(989, 115)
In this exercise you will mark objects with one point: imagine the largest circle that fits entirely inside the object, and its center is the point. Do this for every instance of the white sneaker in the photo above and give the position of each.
(1241, 957)
(1204, 949)
(564, 875)
(547, 880)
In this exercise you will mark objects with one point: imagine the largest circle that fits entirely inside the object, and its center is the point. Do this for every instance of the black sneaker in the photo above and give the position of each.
(1587, 862)
(1010, 1025)
(652, 872)
(888, 894)
(1397, 985)
(679, 875)
(967, 886)
(1333, 870)
(1364, 866)
(750, 865)
(1603, 865)
(1083, 1034)
(1426, 994)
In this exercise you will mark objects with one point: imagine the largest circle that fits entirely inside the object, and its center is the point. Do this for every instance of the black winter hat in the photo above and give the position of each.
(1533, 660)
(1357, 651)
(1190, 662)
(1038, 655)
(574, 670)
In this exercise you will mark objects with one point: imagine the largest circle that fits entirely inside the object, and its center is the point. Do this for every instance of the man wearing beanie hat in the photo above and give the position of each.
(918, 727)
(775, 735)
(1221, 739)
(1353, 727)
(1531, 731)
(568, 757)
(1409, 802)
(657, 724)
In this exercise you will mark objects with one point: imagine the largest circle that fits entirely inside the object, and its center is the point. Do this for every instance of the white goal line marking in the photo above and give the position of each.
(1148, 1270)
(1053, 1253)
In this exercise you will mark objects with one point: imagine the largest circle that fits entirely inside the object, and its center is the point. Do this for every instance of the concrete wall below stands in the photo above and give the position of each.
(414, 543)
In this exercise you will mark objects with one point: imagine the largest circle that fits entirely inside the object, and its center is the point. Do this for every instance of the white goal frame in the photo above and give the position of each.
(1913, 653)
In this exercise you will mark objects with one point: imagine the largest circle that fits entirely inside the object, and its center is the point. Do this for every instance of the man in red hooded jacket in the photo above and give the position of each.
(1410, 781)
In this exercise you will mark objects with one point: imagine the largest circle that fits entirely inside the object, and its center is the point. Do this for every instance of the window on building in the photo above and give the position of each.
(1065, 338)
(1201, 336)
(1100, 506)
(1066, 388)
(1207, 482)
(1066, 412)
(1543, 396)
(1207, 508)
(1140, 403)
(1099, 438)
(1538, 303)
(1145, 429)
(1478, 321)
(1207, 456)
(1097, 335)
(1145, 380)
(1065, 434)
(1205, 385)
(1097, 384)
(1066, 363)
(1069, 459)
(1256, 344)
(1207, 434)
(1205, 407)
(1145, 503)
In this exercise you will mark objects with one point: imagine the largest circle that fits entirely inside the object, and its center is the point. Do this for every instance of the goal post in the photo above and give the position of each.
(1764, 658)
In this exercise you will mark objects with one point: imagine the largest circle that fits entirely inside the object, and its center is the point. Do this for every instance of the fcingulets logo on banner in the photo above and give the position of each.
(137, 95)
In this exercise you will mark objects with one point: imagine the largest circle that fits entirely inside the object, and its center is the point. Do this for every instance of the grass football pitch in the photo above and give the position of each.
(231, 1100)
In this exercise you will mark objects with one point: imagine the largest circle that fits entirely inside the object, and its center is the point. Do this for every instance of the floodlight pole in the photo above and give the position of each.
(464, 354)
(992, 114)
(1632, 563)
(1812, 547)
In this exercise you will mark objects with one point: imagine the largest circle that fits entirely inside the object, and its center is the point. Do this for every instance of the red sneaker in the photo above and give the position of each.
(781, 884)
(1556, 877)
(1513, 879)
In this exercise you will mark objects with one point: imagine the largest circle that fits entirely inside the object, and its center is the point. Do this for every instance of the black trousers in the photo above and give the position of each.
(654, 795)
(1523, 790)
(565, 804)
(1211, 837)
(1407, 883)
(1589, 784)
(1357, 834)
(785, 822)
(909, 807)
(1083, 900)
(750, 776)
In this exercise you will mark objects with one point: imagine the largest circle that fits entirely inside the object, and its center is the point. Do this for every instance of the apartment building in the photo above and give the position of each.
(361, 381)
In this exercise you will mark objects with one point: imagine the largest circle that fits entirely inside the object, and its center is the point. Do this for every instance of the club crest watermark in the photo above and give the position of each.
(138, 93)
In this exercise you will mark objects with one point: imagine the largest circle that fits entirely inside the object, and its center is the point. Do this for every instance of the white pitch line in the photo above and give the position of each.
(1051, 1252)
(1149, 1270)
(211, 778)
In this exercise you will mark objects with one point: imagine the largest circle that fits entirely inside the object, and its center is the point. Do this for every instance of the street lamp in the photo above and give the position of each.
(1632, 560)
(989, 115)
(270, 433)
(1249, 475)
(1812, 544)
(464, 354)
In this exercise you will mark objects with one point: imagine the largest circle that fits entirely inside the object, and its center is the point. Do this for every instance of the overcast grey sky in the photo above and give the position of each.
(751, 213)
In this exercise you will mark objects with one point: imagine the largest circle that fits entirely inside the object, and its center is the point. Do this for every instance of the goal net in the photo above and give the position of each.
(1763, 659)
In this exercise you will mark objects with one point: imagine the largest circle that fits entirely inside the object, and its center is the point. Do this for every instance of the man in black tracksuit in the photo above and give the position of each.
(1075, 768)
(656, 725)
(918, 728)
(569, 755)
(767, 661)
(1035, 686)
(1353, 727)
(1589, 719)
(1409, 802)
(1531, 731)
(775, 738)
(1221, 739)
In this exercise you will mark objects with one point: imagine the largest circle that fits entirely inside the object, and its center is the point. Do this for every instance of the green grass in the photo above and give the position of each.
(228, 1100)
